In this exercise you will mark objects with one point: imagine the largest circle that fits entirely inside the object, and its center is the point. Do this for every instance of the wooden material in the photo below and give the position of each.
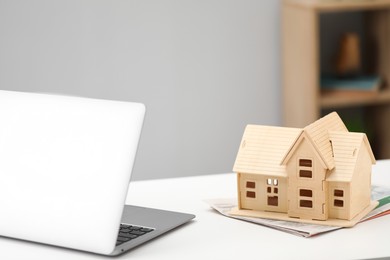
(303, 101)
(284, 217)
(321, 172)
(345, 5)
(343, 100)
(263, 149)
(300, 66)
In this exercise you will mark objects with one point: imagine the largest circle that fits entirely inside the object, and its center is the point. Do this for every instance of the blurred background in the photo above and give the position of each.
(204, 69)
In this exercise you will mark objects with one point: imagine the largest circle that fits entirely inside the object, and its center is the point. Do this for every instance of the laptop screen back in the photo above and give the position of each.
(65, 165)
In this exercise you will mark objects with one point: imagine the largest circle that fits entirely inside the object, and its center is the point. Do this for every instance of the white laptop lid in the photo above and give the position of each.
(65, 165)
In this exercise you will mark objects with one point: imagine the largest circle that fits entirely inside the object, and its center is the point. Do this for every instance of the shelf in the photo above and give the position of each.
(303, 100)
(340, 5)
(342, 100)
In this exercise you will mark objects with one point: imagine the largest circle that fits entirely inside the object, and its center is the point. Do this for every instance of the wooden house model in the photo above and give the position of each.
(319, 173)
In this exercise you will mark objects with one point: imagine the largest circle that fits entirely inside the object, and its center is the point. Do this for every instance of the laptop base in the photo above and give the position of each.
(161, 221)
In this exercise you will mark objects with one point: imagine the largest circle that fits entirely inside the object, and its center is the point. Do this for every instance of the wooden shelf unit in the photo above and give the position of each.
(339, 5)
(342, 100)
(303, 100)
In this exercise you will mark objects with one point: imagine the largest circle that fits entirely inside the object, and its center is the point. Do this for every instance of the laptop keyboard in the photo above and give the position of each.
(130, 232)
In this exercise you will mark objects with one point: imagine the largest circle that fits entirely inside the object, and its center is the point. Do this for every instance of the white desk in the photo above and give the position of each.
(213, 236)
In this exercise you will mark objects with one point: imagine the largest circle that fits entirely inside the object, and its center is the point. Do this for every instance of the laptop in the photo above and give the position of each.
(65, 167)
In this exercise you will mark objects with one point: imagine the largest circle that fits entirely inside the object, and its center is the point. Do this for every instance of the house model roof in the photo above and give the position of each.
(266, 149)
(318, 134)
(346, 148)
(263, 148)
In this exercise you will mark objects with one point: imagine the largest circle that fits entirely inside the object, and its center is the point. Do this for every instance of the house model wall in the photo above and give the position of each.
(320, 172)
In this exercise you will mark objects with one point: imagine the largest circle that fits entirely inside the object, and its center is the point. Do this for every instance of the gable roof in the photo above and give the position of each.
(346, 147)
(318, 135)
(263, 147)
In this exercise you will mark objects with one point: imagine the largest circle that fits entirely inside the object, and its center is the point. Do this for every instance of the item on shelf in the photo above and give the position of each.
(319, 174)
(348, 55)
(358, 83)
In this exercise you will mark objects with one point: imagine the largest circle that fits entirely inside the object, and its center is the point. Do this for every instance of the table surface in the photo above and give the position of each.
(213, 236)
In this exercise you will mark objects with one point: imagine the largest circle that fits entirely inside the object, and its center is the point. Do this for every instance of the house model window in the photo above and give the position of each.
(305, 168)
(251, 186)
(305, 198)
(308, 173)
(272, 192)
(339, 198)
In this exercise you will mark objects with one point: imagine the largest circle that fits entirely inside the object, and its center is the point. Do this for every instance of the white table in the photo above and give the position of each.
(213, 236)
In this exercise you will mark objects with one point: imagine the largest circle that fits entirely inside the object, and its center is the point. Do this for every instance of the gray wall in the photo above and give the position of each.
(204, 69)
